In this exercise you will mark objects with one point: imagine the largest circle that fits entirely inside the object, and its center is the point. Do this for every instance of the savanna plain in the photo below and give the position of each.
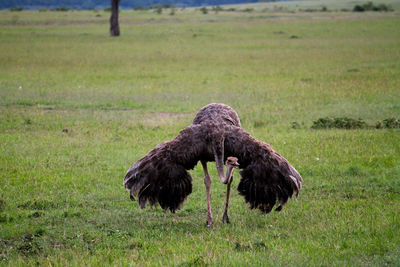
(78, 107)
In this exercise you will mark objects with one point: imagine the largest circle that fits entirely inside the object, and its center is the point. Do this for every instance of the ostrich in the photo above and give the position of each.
(161, 176)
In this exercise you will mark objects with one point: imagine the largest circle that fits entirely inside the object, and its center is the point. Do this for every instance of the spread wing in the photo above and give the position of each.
(156, 179)
(267, 178)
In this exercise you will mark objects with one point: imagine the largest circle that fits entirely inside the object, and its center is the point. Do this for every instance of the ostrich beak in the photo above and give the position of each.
(222, 177)
(220, 169)
(229, 172)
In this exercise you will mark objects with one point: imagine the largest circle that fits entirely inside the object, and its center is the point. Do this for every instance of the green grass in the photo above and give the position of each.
(78, 107)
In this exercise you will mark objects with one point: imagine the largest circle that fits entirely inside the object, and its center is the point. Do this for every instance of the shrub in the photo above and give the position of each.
(385, 8)
(63, 9)
(389, 123)
(340, 123)
(248, 10)
(308, 10)
(368, 6)
(204, 10)
(358, 8)
(371, 7)
(17, 8)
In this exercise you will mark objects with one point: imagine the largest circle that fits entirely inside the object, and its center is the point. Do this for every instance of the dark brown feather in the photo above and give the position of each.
(218, 113)
(161, 176)
(267, 177)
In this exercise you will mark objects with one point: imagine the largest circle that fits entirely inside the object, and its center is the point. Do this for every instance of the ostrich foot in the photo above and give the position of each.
(225, 218)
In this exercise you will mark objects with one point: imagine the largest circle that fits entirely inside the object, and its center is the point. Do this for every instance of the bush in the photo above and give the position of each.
(248, 10)
(107, 9)
(63, 9)
(17, 8)
(371, 7)
(385, 8)
(390, 123)
(308, 10)
(358, 8)
(340, 123)
(204, 10)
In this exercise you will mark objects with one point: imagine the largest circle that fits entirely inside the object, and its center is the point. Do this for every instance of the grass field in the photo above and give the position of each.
(78, 107)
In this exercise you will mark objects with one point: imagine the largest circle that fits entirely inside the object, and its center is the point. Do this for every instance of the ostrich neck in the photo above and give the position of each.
(229, 173)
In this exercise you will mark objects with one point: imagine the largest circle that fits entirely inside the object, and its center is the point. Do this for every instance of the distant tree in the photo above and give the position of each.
(114, 25)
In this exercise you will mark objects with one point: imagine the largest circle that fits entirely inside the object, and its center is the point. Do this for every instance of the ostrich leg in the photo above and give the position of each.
(231, 163)
(207, 182)
(225, 218)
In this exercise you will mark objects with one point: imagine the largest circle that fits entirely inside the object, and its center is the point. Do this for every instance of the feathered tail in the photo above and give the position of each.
(268, 181)
(154, 179)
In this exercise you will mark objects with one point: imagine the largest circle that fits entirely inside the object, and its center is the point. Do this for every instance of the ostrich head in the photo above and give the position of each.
(231, 163)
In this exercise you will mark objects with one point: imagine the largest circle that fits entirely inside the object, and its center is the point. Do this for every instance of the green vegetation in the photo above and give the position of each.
(16, 9)
(390, 123)
(349, 123)
(204, 10)
(340, 123)
(371, 7)
(77, 108)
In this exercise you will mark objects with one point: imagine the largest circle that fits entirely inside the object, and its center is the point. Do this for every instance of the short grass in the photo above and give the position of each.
(79, 107)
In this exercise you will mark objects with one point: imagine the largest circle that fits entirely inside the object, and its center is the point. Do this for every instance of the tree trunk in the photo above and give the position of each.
(114, 26)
